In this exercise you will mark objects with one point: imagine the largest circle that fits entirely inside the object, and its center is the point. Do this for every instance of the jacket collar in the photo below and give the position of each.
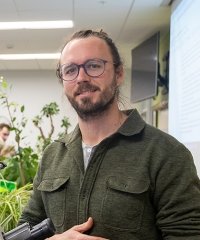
(133, 125)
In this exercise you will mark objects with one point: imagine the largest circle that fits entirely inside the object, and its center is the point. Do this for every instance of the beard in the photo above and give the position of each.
(88, 110)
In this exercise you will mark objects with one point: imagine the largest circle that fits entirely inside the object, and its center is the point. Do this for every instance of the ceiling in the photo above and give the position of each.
(129, 22)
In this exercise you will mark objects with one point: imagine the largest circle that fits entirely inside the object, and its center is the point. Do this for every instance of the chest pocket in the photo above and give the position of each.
(124, 202)
(54, 198)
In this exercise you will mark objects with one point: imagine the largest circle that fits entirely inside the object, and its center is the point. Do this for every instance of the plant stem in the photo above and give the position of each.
(21, 173)
(52, 126)
(9, 112)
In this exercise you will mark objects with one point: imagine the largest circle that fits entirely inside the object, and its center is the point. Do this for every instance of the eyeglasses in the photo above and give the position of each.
(92, 67)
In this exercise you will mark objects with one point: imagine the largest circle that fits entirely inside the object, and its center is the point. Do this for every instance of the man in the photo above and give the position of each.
(4, 134)
(114, 177)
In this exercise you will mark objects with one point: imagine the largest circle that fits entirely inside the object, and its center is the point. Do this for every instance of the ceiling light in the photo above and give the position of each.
(36, 25)
(34, 56)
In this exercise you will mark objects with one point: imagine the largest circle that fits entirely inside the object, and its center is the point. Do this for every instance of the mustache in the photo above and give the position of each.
(86, 87)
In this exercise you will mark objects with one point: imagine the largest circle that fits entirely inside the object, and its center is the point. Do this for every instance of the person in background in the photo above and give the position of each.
(5, 150)
(114, 176)
(4, 132)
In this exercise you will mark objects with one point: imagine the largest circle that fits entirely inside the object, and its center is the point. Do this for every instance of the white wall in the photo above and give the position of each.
(125, 91)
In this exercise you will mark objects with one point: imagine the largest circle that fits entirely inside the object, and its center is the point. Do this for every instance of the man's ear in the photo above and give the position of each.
(120, 75)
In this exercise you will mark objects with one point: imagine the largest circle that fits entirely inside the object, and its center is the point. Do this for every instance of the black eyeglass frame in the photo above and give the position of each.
(59, 73)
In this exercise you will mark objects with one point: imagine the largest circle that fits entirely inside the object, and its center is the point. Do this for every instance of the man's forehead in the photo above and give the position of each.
(4, 130)
(85, 41)
(93, 47)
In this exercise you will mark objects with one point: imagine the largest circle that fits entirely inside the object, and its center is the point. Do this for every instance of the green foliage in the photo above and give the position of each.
(15, 112)
(11, 206)
(48, 111)
(21, 167)
(65, 124)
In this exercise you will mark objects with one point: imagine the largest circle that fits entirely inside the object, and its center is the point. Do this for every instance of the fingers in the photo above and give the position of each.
(77, 232)
(84, 226)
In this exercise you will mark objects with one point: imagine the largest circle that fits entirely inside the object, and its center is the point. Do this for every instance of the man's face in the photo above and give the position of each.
(90, 96)
(4, 133)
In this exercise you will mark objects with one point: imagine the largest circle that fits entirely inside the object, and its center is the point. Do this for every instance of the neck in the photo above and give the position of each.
(95, 130)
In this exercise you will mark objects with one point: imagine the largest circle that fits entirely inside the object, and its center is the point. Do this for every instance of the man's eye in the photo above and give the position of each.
(69, 70)
(93, 65)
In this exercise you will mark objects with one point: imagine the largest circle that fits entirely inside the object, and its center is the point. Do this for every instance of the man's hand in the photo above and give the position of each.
(76, 233)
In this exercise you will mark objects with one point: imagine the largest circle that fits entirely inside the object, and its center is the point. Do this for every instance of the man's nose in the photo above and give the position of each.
(82, 75)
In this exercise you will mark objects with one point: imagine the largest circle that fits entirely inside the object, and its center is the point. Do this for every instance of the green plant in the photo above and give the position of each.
(11, 206)
(21, 167)
(23, 164)
(65, 124)
(48, 111)
(15, 111)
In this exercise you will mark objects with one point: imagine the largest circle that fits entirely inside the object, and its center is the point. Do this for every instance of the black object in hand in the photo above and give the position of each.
(40, 231)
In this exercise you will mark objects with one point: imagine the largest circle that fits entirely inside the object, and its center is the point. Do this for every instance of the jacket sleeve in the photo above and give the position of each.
(177, 196)
(34, 212)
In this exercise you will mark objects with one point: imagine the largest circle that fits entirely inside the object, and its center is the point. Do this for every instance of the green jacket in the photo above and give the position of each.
(140, 184)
